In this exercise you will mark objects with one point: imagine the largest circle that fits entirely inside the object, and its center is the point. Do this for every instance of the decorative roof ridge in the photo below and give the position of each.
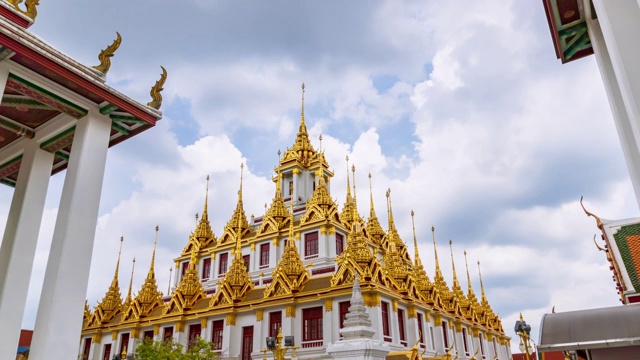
(41, 47)
(189, 290)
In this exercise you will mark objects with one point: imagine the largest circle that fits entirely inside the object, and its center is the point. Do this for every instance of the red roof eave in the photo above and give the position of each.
(548, 10)
(54, 66)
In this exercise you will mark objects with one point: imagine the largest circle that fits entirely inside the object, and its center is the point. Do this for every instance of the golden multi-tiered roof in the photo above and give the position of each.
(380, 259)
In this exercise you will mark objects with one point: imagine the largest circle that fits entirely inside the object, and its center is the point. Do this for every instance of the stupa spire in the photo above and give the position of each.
(438, 276)
(392, 225)
(456, 284)
(355, 198)
(127, 301)
(202, 234)
(373, 225)
(151, 274)
(303, 127)
(470, 293)
(348, 183)
(115, 275)
(484, 297)
(417, 260)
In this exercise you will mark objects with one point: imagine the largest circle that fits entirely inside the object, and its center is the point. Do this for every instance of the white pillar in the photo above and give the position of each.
(614, 39)
(59, 321)
(18, 248)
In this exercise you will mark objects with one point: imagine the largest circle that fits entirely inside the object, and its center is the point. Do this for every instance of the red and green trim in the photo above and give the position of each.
(628, 241)
(45, 97)
(59, 142)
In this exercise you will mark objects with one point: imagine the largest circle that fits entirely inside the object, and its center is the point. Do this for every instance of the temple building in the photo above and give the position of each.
(294, 269)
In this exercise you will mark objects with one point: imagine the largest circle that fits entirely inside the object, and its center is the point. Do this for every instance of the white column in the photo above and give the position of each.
(614, 39)
(59, 320)
(18, 248)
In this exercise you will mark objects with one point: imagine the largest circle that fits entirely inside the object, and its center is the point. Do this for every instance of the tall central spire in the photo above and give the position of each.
(392, 225)
(456, 284)
(303, 127)
(152, 274)
(115, 275)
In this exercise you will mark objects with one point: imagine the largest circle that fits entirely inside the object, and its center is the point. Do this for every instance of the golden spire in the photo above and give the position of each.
(203, 233)
(127, 301)
(320, 147)
(152, 274)
(435, 251)
(355, 196)
(417, 260)
(115, 275)
(303, 126)
(169, 287)
(392, 225)
(374, 230)
(484, 297)
(238, 224)
(348, 184)
(470, 294)
(456, 285)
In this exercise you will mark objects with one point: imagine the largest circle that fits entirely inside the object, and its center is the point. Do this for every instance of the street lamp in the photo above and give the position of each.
(277, 348)
(523, 330)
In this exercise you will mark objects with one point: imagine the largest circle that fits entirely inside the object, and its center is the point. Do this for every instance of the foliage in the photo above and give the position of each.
(149, 349)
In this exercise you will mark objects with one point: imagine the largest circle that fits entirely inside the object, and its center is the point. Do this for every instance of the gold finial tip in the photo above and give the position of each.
(465, 253)
(388, 192)
(157, 227)
(347, 158)
(369, 175)
(433, 228)
(412, 213)
(450, 242)
(303, 86)
(121, 238)
(208, 177)
(241, 165)
(353, 168)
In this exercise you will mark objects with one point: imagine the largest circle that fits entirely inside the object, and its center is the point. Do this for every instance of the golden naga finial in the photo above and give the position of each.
(156, 89)
(598, 246)
(598, 222)
(106, 54)
(30, 11)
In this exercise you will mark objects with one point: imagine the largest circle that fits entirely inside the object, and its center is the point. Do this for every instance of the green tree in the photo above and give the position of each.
(171, 350)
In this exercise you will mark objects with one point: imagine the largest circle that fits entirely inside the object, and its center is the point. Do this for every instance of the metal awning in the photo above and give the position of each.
(590, 329)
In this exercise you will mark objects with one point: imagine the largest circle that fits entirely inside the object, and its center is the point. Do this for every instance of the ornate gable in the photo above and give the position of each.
(290, 276)
(320, 207)
(203, 235)
(189, 291)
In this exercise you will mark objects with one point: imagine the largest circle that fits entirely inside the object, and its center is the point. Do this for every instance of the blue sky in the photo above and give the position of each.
(460, 107)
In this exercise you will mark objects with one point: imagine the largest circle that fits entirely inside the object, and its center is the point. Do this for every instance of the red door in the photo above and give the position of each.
(247, 342)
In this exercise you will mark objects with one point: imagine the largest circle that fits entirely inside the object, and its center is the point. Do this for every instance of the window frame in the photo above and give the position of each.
(206, 268)
(386, 328)
(217, 329)
(312, 324)
(273, 329)
(265, 253)
(223, 262)
(339, 244)
(311, 245)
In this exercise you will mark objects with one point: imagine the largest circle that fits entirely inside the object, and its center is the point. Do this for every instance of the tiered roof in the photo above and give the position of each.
(379, 259)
